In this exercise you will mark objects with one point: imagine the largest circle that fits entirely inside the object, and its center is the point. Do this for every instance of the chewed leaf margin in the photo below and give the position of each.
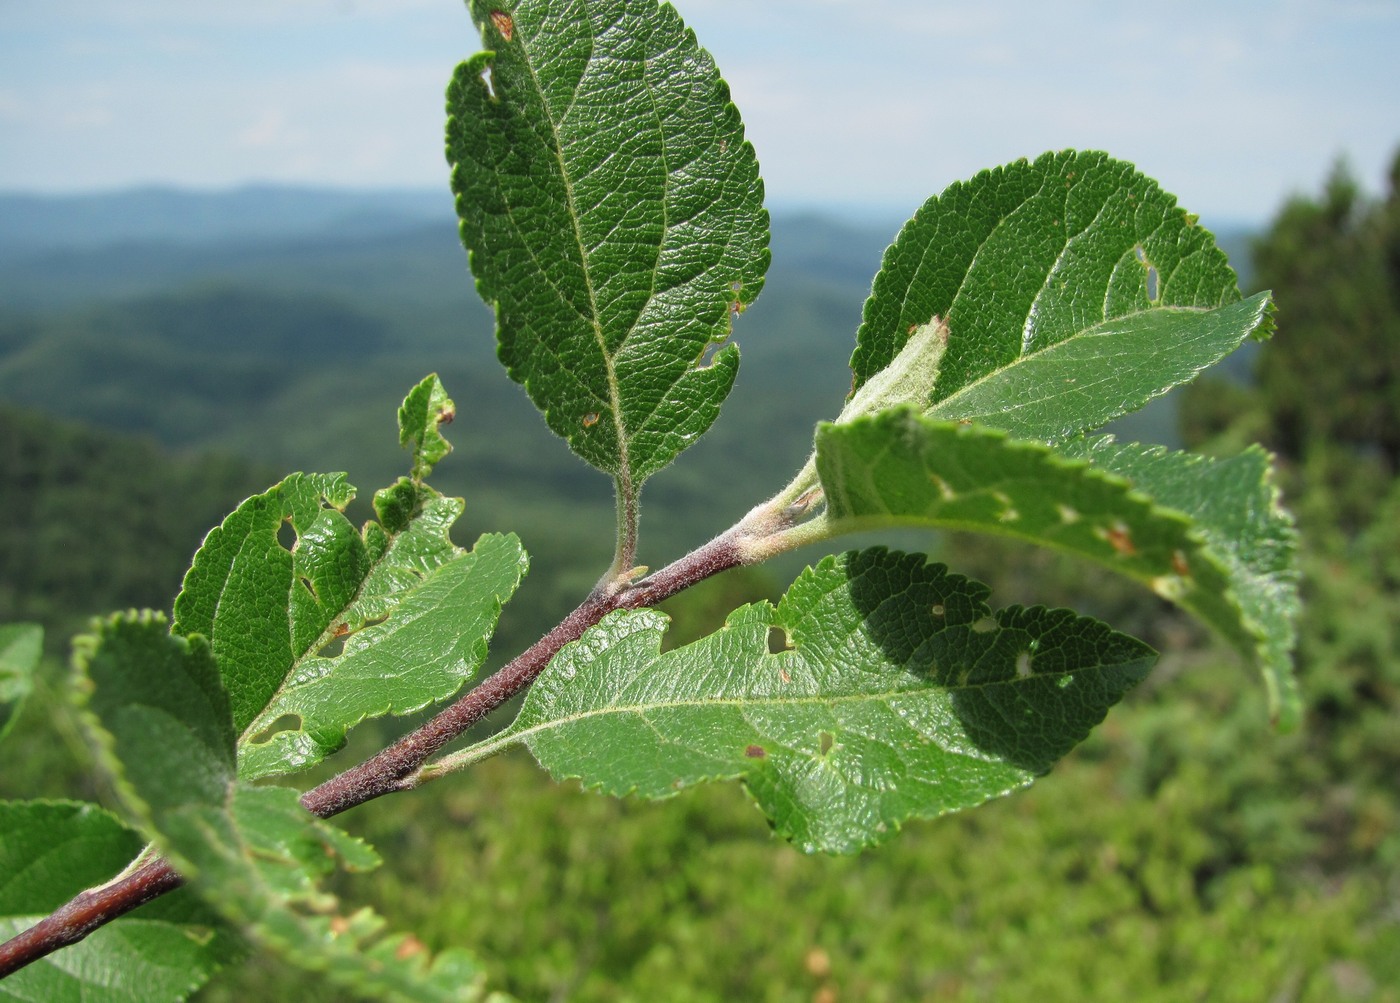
(286, 577)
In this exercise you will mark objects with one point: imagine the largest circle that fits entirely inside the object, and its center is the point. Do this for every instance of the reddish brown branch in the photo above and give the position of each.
(387, 771)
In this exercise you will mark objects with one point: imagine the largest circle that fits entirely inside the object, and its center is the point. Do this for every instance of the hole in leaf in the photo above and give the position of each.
(825, 741)
(985, 625)
(1151, 277)
(778, 640)
(287, 722)
(287, 536)
(489, 81)
(590, 419)
(707, 355)
(938, 609)
(1023, 665)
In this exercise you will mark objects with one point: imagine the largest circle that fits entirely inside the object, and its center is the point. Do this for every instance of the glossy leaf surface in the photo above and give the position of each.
(898, 695)
(613, 214)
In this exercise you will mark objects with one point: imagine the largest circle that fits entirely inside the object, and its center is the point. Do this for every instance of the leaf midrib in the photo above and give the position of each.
(624, 472)
(942, 409)
(875, 696)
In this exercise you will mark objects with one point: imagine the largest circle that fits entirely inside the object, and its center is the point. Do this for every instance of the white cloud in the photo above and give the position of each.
(1232, 105)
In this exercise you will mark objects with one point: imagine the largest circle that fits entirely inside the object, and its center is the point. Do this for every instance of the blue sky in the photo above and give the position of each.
(1231, 105)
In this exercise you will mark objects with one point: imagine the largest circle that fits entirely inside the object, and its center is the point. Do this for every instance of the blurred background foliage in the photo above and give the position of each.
(1184, 852)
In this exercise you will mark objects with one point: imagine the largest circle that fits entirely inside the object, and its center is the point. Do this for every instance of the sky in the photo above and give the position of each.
(1232, 105)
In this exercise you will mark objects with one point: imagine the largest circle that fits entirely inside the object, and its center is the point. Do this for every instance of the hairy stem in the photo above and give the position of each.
(625, 553)
(395, 768)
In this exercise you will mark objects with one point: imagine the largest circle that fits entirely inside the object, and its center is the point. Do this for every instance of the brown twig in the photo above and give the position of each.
(390, 770)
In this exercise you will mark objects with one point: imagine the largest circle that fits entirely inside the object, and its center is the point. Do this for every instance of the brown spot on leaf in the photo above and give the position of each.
(446, 416)
(504, 24)
(411, 946)
(756, 752)
(339, 925)
(1120, 539)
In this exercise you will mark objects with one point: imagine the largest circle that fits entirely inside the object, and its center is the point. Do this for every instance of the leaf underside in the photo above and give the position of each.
(1205, 534)
(153, 709)
(1074, 291)
(898, 695)
(1234, 506)
(613, 214)
(54, 850)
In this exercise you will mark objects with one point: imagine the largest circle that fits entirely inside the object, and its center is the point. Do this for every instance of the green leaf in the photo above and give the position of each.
(424, 410)
(21, 644)
(251, 852)
(53, 850)
(613, 214)
(898, 696)
(265, 603)
(1219, 547)
(1234, 505)
(1074, 290)
(434, 641)
(286, 575)
(160, 702)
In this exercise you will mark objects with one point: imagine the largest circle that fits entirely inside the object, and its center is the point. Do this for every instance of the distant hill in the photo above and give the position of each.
(288, 333)
(36, 223)
(285, 325)
(96, 521)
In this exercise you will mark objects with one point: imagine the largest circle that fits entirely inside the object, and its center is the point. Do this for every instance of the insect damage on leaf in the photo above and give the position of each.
(503, 23)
